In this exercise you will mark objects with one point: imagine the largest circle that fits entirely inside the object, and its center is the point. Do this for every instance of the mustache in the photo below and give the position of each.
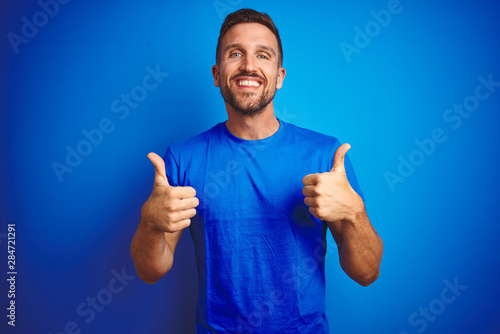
(246, 74)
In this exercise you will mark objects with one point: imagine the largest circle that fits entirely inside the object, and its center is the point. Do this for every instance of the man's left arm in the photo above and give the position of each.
(331, 198)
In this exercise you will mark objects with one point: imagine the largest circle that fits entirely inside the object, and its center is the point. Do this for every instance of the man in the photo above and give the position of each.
(258, 195)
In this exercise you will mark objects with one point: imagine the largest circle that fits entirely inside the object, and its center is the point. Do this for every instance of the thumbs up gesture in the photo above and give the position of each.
(329, 195)
(168, 209)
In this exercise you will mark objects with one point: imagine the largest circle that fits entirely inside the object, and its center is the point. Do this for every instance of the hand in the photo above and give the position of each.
(329, 195)
(168, 209)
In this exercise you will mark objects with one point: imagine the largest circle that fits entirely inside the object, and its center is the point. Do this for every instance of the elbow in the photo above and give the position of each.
(372, 275)
(363, 278)
(146, 278)
(367, 280)
(147, 272)
(150, 276)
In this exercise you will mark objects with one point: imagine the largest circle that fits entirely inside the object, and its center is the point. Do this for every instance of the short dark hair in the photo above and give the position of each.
(247, 15)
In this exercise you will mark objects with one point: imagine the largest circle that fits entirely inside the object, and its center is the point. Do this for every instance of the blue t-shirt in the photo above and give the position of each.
(259, 252)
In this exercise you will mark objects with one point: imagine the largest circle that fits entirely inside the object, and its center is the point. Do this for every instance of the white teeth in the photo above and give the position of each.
(248, 83)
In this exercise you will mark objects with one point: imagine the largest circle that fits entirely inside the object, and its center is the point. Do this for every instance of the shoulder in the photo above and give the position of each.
(311, 137)
(192, 146)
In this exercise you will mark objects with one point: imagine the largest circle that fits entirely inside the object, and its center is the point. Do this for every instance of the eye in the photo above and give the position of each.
(263, 56)
(235, 54)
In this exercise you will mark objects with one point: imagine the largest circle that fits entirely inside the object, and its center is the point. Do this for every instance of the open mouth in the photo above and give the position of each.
(248, 82)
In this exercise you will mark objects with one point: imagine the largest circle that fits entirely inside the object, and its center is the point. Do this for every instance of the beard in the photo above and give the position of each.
(248, 103)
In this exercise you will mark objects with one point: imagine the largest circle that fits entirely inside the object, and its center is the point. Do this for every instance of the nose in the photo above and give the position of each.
(248, 64)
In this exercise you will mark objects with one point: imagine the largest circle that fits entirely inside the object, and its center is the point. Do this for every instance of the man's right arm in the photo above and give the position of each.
(164, 216)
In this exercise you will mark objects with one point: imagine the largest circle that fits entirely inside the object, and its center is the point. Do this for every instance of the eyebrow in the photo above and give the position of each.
(259, 46)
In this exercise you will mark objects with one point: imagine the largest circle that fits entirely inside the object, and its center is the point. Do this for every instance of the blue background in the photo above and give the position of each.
(441, 223)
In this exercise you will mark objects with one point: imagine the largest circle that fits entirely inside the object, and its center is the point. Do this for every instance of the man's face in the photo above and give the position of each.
(249, 72)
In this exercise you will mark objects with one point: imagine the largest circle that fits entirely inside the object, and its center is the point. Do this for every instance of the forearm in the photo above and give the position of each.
(151, 253)
(361, 249)
(163, 217)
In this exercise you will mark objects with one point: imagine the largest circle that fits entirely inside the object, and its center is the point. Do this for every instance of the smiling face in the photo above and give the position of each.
(249, 71)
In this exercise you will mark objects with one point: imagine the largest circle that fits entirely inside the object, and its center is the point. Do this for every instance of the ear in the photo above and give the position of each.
(281, 77)
(215, 73)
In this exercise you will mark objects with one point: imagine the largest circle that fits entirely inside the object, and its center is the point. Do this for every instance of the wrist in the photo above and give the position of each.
(147, 219)
(357, 213)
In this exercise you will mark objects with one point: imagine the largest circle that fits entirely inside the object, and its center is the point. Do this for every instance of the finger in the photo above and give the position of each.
(181, 215)
(183, 224)
(310, 202)
(160, 174)
(184, 192)
(313, 211)
(178, 226)
(338, 159)
(309, 191)
(310, 180)
(185, 204)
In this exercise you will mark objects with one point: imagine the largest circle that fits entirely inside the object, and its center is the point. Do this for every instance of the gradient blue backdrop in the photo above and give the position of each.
(73, 234)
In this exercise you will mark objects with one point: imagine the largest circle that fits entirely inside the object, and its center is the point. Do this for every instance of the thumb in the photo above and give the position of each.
(160, 174)
(338, 159)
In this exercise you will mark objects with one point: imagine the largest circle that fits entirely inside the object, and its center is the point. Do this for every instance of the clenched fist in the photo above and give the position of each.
(168, 209)
(329, 195)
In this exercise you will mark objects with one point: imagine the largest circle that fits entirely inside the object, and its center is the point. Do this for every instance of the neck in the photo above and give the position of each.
(255, 127)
